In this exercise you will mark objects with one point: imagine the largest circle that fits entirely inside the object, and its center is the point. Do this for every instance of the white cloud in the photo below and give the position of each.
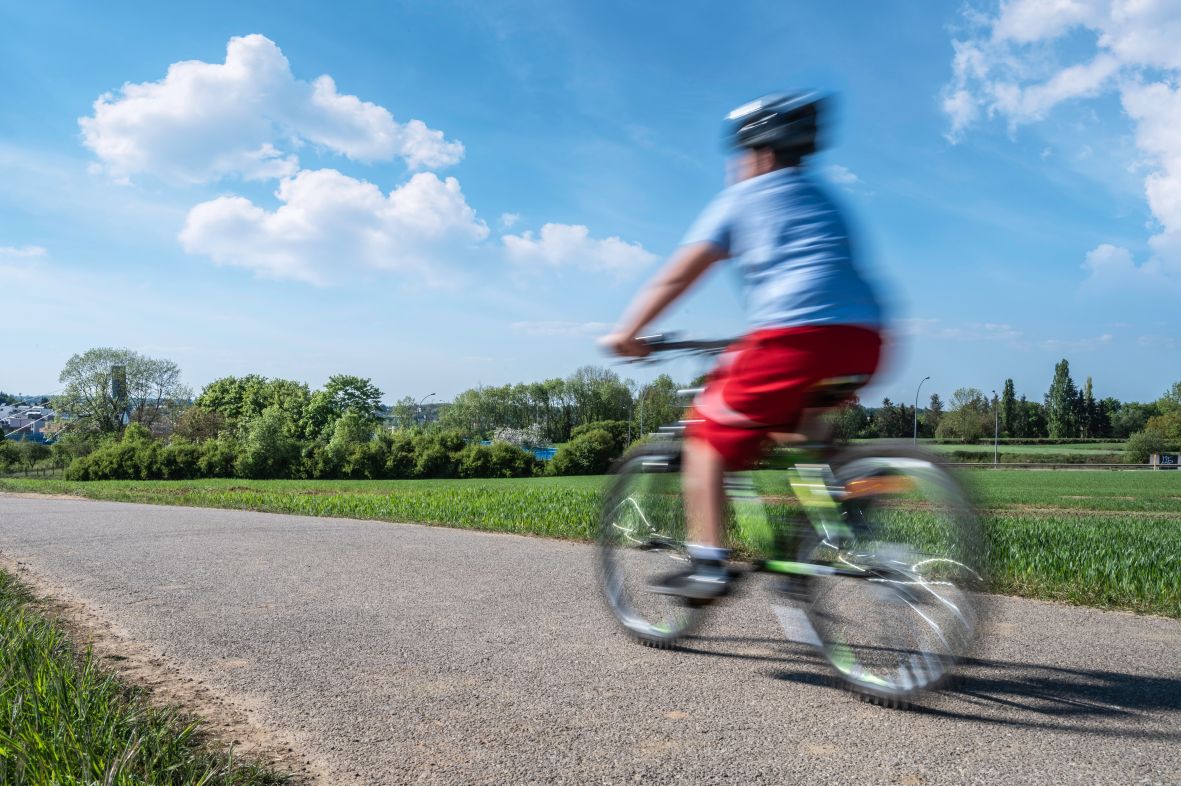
(841, 175)
(567, 245)
(561, 328)
(507, 220)
(1157, 342)
(1017, 65)
(246, 117)
(1076, 345)
(331, 226)
(22, 251)
(970, 331)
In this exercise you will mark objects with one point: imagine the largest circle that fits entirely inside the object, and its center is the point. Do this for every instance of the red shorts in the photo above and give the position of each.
(762, 382)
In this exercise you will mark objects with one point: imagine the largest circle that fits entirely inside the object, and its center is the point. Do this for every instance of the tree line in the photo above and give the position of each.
(124, 415)
(1066, 411)
(127, 416)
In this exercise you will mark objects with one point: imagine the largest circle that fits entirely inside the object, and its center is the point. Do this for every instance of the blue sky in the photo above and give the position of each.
(477, 189)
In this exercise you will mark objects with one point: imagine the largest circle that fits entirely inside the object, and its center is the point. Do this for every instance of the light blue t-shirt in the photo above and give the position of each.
(790, 246)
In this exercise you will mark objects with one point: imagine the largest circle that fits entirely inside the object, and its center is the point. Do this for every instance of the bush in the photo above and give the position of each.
(589, 453)
(616, 429)
(435, 454)
(135, 456)
(398, 448)
(1089, 457)
(267, 448)
(216, 459)
(1141, 445)
(9, 454)
(499, 460)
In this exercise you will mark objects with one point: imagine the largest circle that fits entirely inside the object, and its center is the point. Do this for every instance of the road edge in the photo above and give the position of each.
(228, 720)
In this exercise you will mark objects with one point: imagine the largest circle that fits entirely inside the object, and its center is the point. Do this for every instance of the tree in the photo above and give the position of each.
(1167, 425)
(598, 394)
(893, 421)
(1061, 407)
(1171, 400)
(657, 405)
(404, 412)
(1088, 411)
(1032, 418)
(103, 385)
(268, 449)
(933, 415)
(969, 418)
(849, 420)
(240, 399)
(1008, 413)
(1130, 418)
(1108, 409)
(199, 424)
(351, 429)
(525, 438)
(31, 453)
(350, 393)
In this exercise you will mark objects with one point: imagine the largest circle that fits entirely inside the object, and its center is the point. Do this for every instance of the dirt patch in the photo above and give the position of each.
(35, 495)
(228, 721)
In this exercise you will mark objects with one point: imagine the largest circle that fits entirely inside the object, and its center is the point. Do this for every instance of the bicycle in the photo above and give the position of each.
(880, 546)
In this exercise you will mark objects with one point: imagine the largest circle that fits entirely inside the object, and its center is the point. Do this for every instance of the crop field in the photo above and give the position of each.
(1107, 539)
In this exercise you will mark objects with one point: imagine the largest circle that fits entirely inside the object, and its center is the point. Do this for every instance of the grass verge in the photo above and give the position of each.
(65, 720)
(1097, 538)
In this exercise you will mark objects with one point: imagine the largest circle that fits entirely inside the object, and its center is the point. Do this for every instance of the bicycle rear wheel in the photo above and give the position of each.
(641, 539)
(906, 601)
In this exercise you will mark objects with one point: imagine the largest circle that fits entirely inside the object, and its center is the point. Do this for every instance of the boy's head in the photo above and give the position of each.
(775, 131)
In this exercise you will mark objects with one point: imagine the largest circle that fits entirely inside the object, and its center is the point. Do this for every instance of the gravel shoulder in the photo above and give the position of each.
(388, 653)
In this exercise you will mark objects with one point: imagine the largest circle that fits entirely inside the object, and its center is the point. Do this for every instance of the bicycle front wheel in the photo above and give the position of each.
(642, 539)
(904, 602)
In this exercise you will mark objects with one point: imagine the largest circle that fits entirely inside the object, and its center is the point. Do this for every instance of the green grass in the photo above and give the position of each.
(1108, 539)
(64, 720)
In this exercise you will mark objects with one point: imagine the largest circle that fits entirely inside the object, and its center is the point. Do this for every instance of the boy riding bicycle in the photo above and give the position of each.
(811, 314)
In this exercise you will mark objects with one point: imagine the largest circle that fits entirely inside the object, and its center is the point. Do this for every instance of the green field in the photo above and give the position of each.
(66, 720)
(1108, 539)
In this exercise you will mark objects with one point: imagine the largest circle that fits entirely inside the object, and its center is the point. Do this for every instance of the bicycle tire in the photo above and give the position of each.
(899, 630)
(642, 536)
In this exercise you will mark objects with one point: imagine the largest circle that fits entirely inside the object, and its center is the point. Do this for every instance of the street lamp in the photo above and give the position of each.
(996, 426)
(916, 409)
(418, 407)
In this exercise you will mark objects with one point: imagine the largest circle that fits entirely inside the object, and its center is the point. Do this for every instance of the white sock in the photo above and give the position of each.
(707, 553)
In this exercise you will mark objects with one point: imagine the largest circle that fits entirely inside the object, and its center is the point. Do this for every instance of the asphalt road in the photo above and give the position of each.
(408, 654)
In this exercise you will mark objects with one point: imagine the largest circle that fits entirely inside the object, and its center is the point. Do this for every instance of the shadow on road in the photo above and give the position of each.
(1090, 701)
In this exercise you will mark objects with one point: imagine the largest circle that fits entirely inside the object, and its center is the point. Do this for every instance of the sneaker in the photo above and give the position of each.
(701, 581)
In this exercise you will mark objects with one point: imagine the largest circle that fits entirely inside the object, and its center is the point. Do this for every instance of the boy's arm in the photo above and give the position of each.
(685, 267)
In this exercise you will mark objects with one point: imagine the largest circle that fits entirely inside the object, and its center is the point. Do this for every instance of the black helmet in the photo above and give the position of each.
(785, 122)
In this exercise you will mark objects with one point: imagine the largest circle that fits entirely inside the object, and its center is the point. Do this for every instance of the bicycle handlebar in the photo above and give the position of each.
(669, 342)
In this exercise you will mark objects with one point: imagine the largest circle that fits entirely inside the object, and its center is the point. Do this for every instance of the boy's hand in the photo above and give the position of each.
(624, 345)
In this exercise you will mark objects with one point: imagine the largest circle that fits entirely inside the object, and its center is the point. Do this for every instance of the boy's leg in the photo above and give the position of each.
(703, 472)
(707, 576)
